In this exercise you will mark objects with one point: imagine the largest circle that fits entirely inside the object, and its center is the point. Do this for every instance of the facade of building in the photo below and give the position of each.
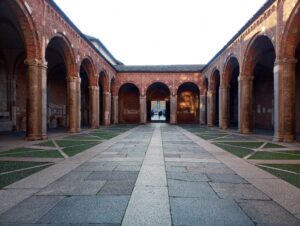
(52, 75)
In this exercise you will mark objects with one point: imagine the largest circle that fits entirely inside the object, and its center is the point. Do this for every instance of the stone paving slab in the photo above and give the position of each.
(257, 210)
(114, 175)
(202, 211)
(188, 189)
(238, 191)
(154, 201)
(30, 210)
(226, 178)
(192, 177)
(119, 187)
(190, 160)
(11, 197)
(88, 209)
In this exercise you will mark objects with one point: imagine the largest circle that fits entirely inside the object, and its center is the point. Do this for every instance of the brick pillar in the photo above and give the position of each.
(107, 107)
(202, 109)
(37, 100)
(116, 109)
(245, 103)
(73, 108)
(284, 100)
(94, 107)
(173, 109)
(224, 106)
(211, 108)
(143, 109)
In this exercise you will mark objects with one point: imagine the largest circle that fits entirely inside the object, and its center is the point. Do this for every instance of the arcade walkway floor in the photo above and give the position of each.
(155, 174)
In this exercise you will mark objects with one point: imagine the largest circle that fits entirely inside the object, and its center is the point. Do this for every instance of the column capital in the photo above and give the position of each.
(285, 60)
(36, 63)
(245, 77)
(93, 87)
(73, 79)
(106, 93)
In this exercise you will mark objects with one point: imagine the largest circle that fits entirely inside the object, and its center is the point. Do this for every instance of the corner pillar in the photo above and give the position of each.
(143, 109)
(173, 109)
(202, 109)
(37, 100)
(211, 108)
(284, 100)
(107, 108)
(94, 107)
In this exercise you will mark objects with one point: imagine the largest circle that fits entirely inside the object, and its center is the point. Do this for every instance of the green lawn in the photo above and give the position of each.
(272, 145)
(276, 155)
(30, 152)
(48, 143)
(245, 144)
(288, 177)
(238, 151)
(10, 178)
(71, 151)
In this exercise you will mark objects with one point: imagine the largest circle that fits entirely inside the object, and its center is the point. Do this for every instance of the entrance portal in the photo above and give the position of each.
(158, 110)
(158, 103)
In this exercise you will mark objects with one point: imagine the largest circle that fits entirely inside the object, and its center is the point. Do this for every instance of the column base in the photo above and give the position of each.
(284, 138)
(245, 131)
(33, 137)
(72, 131)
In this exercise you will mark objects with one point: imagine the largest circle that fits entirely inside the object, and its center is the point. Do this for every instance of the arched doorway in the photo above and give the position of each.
(232, 71)
(263, 84)
(188, 103)
(84, 89)
(158, 103)
(56, 84)
(129, 104)
(13, 77)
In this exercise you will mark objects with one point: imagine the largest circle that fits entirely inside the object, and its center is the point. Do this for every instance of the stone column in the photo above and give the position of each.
(143, 109)
(36, 100)
(284, 100)
(78, 106)
(72, 104)
(202, 109)
(107, 107)
(173, 109)
(94, 107)
(211, 108)
(116, 109)
(245, 103)
(224, 106)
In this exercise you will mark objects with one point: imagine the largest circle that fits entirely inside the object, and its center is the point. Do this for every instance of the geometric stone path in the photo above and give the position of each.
(156, 174)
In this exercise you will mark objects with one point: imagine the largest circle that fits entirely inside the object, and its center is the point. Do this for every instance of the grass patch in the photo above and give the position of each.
(245, 144)
(290, 167)
(10, 178)
(71, 151)
(272, 145)
(275, 155)
(30, 152)
(10, 166)
(237, 151)
(105, 135)
(48, 143)
(68, 143)
(288, 177)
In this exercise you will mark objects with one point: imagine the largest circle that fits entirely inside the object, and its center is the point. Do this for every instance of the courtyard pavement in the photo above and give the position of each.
(156, 174)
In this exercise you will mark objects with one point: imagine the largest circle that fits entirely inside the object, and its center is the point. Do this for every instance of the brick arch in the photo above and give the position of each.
(291, 36)
(68, 54)
(228, 68)
(104, 80)
(212, 81)
(116, 88)
(188, 82)
(155, 81)
(28, 30)
(89, 66)
(249, 54)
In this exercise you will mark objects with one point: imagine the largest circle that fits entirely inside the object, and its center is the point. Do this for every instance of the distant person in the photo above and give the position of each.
(159, 114)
